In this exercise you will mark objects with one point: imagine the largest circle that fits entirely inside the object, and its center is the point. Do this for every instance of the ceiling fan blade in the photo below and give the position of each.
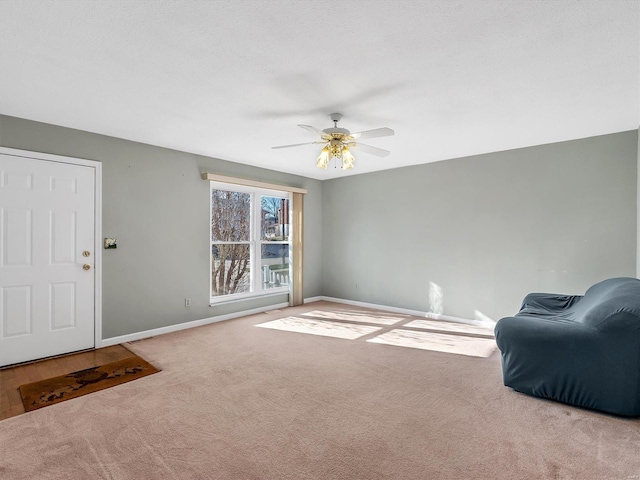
(296, 145)
(312, 129)
(375, 133)
(371, 150)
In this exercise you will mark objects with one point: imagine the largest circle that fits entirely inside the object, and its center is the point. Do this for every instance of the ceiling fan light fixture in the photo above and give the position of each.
(323, 158)
(338, 142)
(347, 158)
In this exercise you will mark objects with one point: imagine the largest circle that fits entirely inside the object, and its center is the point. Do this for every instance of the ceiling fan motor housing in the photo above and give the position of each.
(335, 131)
(339, 131)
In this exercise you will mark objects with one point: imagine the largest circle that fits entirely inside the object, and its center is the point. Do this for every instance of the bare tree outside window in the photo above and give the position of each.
(275, 218)
(230, 234)
(270, 205)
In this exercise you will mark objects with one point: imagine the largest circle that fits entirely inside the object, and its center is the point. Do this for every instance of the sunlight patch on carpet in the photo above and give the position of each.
(320, 327)
(355, 316)
(442, 326)
(438, 342)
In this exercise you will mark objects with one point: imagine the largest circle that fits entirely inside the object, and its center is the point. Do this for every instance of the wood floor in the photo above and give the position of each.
(12, 377)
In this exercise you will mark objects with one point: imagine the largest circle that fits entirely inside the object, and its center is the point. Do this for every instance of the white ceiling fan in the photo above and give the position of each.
(338, 143)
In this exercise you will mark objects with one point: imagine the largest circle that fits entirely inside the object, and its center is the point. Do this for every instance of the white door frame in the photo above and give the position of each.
(97, 166)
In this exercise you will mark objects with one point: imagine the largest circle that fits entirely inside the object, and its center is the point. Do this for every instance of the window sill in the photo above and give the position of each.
(246, 297)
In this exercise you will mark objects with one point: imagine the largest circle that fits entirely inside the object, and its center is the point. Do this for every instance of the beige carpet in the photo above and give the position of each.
(238, 402)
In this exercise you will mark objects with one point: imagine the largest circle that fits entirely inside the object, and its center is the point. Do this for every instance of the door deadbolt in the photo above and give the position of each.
(86, 253)
(86, 266)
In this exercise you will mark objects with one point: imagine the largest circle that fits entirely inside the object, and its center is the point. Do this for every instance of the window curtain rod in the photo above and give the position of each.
(212, 177)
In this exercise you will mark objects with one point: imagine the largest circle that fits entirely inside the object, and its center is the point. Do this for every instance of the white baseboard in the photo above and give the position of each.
(312, 299)
(406, 311)
(184, 326)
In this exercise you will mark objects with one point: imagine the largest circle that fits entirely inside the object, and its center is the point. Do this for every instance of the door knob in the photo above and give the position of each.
(86, 266)
(86, 253)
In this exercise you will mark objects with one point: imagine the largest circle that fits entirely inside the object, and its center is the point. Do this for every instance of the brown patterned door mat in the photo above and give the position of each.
(65, 387)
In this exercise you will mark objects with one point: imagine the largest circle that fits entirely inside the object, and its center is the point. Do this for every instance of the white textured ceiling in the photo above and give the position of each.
(230, 79)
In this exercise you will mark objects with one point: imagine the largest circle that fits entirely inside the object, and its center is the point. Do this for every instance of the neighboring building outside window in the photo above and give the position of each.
(250, 242)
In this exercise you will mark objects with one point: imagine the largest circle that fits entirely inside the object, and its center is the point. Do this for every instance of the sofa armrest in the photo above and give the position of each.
(528, 333)
(536, 303)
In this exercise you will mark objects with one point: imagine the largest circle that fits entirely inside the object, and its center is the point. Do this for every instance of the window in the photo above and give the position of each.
(250, 241)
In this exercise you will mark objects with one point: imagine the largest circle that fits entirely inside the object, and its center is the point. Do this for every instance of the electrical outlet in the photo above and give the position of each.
(187, 302)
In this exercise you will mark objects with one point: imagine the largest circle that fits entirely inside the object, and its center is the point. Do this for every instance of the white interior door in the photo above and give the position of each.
(47, 258)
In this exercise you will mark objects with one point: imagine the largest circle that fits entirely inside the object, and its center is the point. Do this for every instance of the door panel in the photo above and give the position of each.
(17, 311)
(47, 212)
(16, 248)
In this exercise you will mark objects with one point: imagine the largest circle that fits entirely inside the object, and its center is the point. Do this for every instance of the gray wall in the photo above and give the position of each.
(485, 229)
(156, 205)
(638, 198)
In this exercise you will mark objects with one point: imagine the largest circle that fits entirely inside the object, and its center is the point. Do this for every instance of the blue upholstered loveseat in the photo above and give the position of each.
(580, 350)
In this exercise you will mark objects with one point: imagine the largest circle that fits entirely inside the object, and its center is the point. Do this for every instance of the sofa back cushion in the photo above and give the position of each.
(613, 300)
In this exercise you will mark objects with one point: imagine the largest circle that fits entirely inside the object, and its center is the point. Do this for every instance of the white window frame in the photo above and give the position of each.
(255, 243)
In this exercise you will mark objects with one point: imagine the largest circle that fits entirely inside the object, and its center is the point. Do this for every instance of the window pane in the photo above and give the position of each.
(274, 224)
(275, 265)
(230, 272)
(230, 216)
